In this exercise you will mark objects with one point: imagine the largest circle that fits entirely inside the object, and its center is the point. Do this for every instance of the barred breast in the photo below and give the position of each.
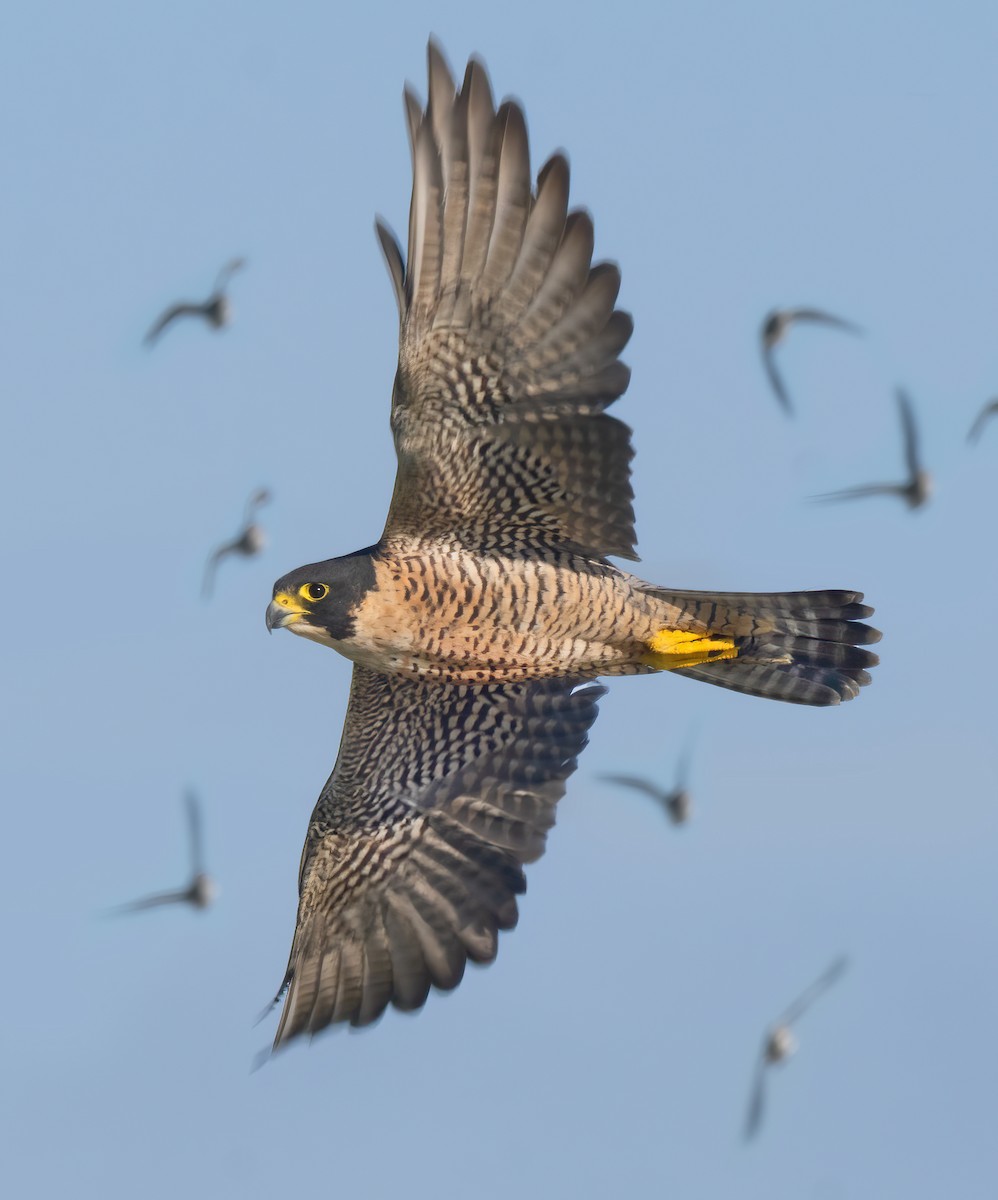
(449, 615)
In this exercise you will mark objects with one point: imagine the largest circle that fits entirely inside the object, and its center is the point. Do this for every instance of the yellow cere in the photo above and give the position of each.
(670, 649)
(286, 600)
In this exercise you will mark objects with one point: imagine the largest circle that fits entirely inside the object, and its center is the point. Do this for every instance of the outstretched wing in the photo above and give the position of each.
(819, 317)
(909, 433)
(226, 273)
(194, 832)
(638, 784)
(169, 316)
(858, 493)
(216, 556)
(508, 342)
(757, 1099)
(776, 379)
(180, 896)
(413, 859)
(980, 420)
(824, 981)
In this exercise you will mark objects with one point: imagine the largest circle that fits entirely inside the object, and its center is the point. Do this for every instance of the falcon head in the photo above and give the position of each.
(320, 601)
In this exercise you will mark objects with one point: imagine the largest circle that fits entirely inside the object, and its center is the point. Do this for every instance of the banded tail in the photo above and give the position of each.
(802, 647)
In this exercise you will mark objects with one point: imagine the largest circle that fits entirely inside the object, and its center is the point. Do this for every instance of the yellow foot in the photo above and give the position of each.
(673, 648)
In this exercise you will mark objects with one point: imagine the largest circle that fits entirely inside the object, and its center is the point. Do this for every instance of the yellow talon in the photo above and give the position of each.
(673, 648)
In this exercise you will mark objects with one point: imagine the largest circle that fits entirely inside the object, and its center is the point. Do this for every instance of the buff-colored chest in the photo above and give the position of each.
(472, 620)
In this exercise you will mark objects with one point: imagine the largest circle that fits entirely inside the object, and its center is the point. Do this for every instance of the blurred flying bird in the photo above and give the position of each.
(775, 328)
(779, 1043)
(201, 890)
(250, 540)
(479, 621)
(916, 489)
(676, 802)
(987, 411)
(216, 310)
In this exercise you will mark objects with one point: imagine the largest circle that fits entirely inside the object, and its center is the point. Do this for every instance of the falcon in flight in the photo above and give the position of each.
(480, 620)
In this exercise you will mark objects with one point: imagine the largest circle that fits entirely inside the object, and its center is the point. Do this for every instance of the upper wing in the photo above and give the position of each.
(823, 318)
(171, 314)
(638, 784)
(857, 493)
(260, 496)
(909, 432)
(987, 411)
(194, 830)
(226, 273)
(776, 379)
(176, 897)
(757, 1099)
(824, 981)
(508, 341)
(413, 859)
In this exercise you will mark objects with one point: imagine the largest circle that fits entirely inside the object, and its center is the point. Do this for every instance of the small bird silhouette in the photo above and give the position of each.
(216, 310)
(987, 411)
(250, 540)
(201, 890)
(779, 1043)
(775, 328)
(916, 489)
(677, 802)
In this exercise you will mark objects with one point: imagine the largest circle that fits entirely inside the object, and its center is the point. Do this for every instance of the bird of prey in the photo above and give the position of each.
(779, 1043)
(250, 540)
(775, 328)
(987, 411)
(676, 801)
(480, 620)
(916, 489)
(216, 310)
(202, 889)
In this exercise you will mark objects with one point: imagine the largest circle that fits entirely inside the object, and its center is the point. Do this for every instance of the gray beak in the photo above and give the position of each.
(282, 611)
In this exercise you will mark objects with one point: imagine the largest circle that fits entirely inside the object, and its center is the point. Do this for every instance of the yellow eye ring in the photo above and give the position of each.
(313, 591)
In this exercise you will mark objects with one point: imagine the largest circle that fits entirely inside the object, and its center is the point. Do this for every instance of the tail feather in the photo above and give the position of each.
(800, 647)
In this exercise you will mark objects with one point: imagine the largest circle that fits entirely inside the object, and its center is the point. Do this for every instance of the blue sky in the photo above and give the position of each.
(735, 158)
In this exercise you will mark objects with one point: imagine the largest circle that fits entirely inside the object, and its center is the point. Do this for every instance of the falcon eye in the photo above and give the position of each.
(313, 591)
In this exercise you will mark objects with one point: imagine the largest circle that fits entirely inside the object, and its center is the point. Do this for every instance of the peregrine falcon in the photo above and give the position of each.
(480, 620)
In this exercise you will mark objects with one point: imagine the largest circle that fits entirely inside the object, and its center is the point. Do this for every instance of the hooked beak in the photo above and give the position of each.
(283, 610)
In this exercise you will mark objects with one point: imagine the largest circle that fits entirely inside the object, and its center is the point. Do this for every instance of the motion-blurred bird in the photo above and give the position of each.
(775, 328)
(480, 619)
(216, 310)
(250, 540)
(986, 412)
(779, 1043)
(676, 801)
(916, 489)
(201, 890)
